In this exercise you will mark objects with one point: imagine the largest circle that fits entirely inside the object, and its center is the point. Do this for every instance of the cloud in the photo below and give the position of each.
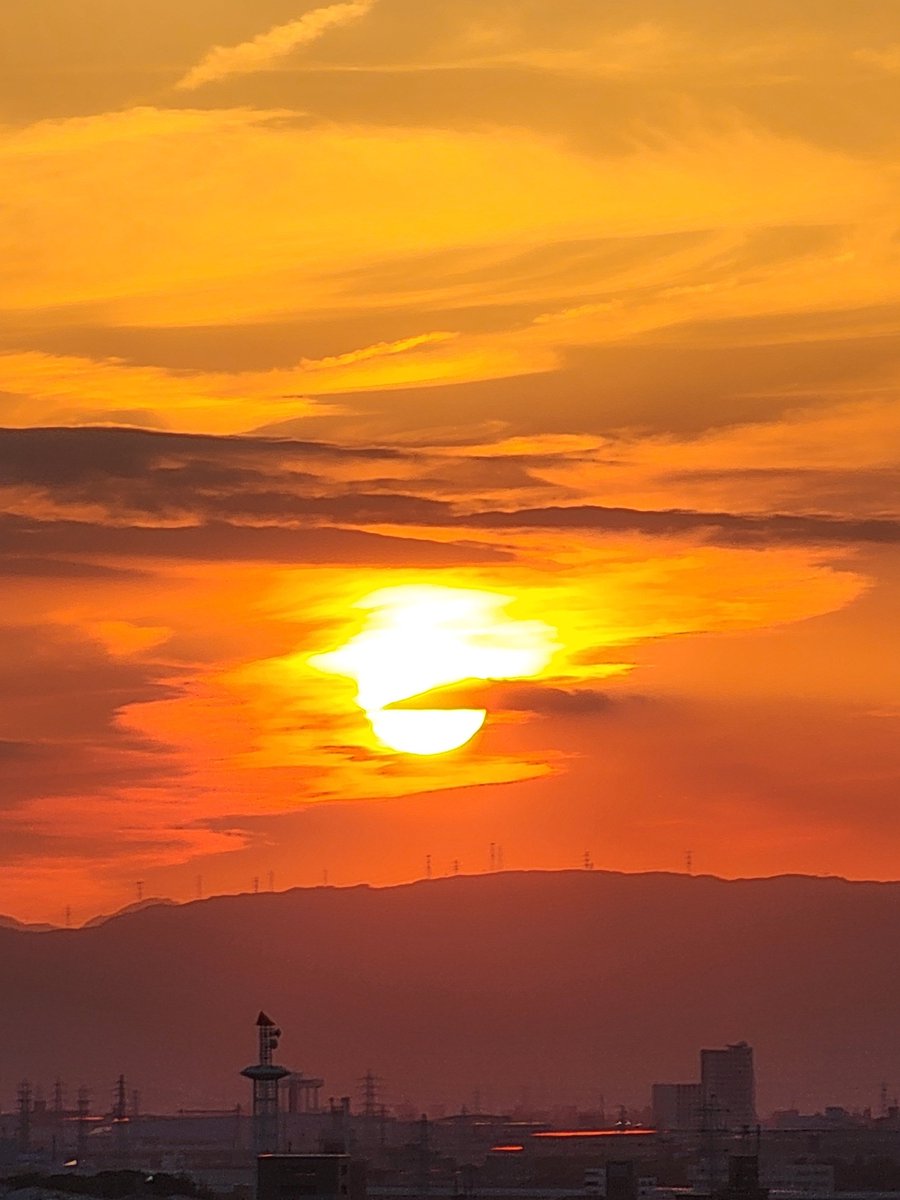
(729, 528)
(59, 457)
(61, 699)
(215, 247)
(886, 59)
(32, 567)
(221, 541)
(542, 699)
(74, 389)
(268, 48)
(13, 749)
(136, 493)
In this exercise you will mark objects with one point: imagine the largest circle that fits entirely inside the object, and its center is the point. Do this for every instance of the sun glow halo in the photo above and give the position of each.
(417, 638)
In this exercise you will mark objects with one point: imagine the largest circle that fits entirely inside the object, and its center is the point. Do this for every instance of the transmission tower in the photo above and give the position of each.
(370, 1094)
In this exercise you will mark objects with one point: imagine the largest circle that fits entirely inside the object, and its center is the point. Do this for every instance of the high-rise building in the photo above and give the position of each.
(728, 1086)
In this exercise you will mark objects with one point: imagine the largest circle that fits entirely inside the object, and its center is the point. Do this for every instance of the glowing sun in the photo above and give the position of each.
(417, 638)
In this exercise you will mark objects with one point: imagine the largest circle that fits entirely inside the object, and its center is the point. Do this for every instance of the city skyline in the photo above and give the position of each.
(566, 986)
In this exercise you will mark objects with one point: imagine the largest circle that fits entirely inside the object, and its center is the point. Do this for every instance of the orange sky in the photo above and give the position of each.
(591, 311)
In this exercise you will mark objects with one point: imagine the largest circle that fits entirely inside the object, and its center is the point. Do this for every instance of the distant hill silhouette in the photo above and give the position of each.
(34, 926)
(567, 984)
(136, 906)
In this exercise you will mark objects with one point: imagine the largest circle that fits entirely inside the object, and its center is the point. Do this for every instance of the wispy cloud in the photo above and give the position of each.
(261, 51)
(886, 59)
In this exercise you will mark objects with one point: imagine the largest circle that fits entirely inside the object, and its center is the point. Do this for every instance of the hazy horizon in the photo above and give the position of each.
(588, 982)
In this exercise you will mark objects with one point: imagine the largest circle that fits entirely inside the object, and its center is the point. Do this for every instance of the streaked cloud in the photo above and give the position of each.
(269, 48)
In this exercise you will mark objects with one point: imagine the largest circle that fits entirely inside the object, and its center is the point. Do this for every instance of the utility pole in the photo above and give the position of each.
(120, 1117)
(23, 1097)
(83, 1113)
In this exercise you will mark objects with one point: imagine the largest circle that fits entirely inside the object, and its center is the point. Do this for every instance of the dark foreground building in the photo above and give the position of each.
(309, 1177)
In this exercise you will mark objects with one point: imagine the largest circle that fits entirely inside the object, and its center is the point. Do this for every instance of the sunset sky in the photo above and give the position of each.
(535, 358)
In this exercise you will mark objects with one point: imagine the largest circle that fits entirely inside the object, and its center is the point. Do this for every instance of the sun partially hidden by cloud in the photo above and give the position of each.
(416, 639)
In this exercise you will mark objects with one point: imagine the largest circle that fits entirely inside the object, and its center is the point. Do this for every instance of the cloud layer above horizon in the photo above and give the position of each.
(597, 311)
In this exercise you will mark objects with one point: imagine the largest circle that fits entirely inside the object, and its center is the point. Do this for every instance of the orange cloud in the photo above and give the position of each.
(277, 43)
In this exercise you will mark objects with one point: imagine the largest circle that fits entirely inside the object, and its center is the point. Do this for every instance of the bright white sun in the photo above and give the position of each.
(426, 730)
(419, 638)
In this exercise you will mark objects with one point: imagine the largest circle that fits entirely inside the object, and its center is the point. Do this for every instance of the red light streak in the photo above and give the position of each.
(593, 1133)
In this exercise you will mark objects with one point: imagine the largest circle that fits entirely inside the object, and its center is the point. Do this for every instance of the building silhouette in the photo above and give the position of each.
(677, 1106)
(728, 1084)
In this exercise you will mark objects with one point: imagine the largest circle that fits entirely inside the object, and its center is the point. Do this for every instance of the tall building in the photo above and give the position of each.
(728, 1087)
(676, 1106)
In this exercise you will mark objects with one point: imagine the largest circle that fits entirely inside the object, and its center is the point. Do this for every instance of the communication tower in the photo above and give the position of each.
(265, 1075)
